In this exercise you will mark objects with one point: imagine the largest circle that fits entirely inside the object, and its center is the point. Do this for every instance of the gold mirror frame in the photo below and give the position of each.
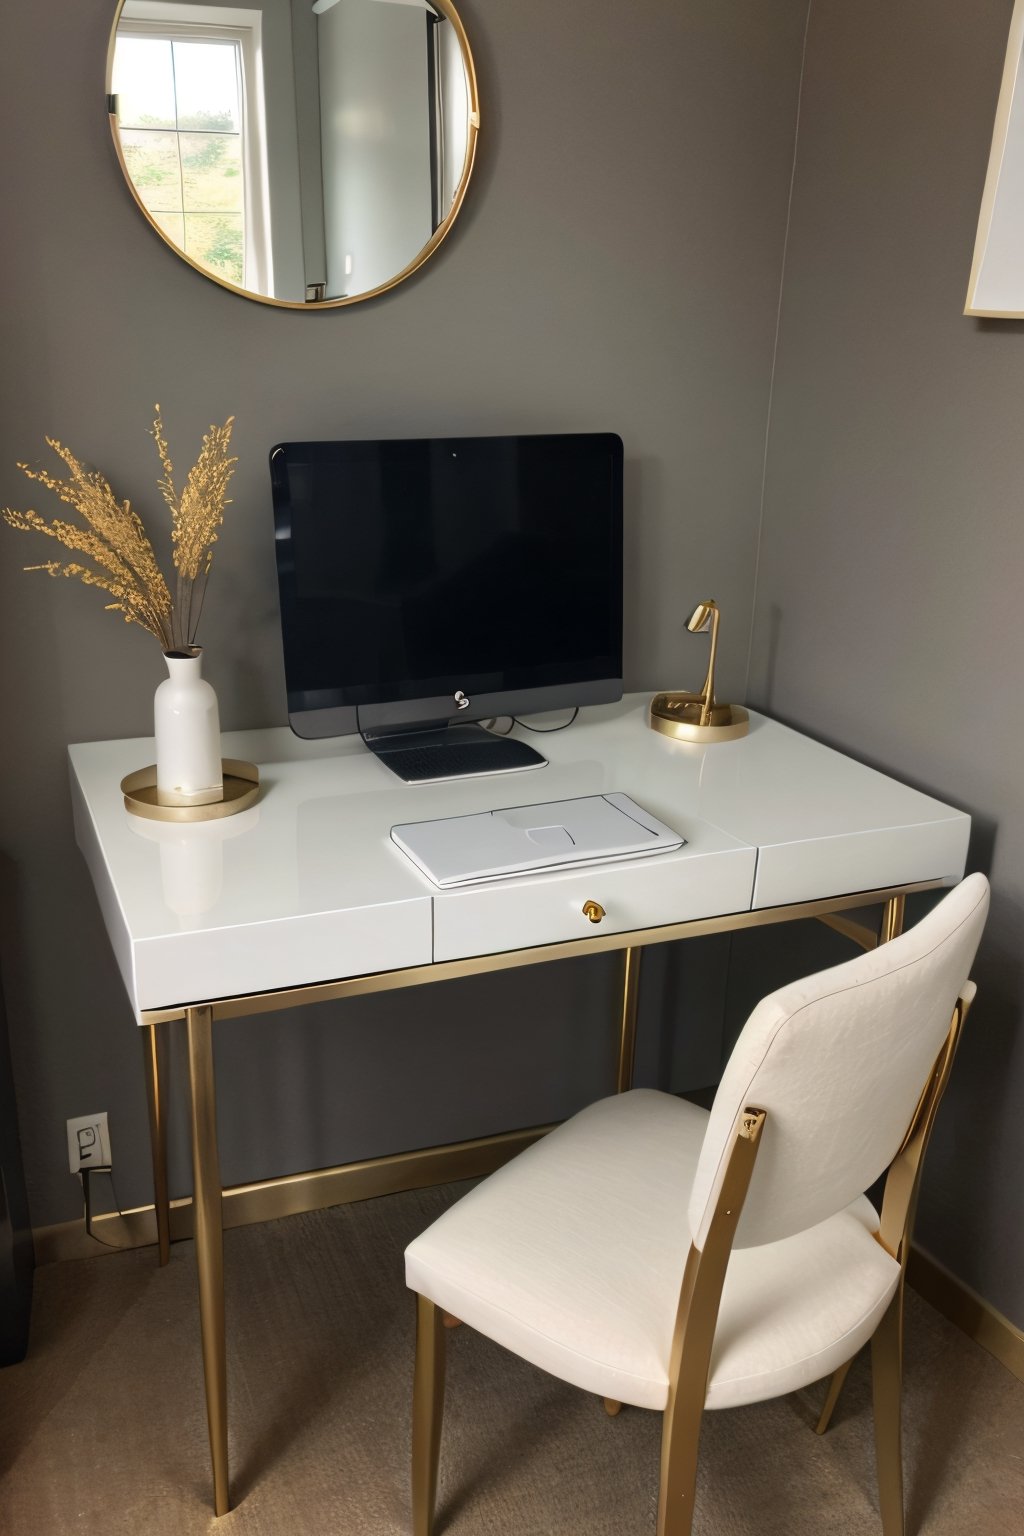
(440, 233)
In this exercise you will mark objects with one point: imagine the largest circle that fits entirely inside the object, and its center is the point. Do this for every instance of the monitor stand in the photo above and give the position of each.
(449, 752)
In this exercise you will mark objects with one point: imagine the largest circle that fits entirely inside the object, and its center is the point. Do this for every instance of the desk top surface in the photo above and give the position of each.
(310, 878)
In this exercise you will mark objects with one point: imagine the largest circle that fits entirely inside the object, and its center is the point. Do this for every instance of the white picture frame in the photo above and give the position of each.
(996, 286)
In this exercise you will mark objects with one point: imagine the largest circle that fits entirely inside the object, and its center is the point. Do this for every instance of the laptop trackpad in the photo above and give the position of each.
(554, 838)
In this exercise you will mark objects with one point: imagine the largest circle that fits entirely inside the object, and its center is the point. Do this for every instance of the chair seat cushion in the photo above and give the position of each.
(572, 1256)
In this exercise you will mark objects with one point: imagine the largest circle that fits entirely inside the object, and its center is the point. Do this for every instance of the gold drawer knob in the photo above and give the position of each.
(593, 910)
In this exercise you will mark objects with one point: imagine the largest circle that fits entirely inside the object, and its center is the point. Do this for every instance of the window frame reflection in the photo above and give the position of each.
(244, 42)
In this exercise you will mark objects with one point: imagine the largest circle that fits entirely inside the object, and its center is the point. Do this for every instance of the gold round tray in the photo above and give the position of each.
(678, 715)
(241, 789)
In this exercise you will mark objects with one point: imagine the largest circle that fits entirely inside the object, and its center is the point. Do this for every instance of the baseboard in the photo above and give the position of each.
(969, 1311)
(290, 1195)
(273, 1198)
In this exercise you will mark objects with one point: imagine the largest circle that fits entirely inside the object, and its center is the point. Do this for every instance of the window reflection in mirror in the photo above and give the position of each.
(296, 149)
(186, 140)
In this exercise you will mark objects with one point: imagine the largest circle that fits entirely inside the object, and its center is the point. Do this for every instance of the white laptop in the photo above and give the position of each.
(494, 845)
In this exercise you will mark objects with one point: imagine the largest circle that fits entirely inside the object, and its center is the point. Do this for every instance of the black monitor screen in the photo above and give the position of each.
(410, 570)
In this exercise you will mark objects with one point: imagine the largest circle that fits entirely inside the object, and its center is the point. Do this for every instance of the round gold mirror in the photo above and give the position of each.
(305, 153)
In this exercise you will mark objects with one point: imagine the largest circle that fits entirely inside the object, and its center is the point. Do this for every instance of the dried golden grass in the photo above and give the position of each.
(112, 535)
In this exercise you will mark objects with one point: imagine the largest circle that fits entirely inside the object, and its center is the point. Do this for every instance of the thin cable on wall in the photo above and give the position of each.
(86, 1174)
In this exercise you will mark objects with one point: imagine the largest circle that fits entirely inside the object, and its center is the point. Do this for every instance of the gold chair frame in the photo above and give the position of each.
(696, 1319)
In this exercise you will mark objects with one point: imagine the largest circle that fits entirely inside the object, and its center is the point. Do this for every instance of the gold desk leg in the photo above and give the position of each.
(630, 1006)
(892, 919)
(209, 1235)
(158, 1138)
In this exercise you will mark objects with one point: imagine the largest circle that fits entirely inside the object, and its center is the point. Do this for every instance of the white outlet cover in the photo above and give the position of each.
(88, 1142)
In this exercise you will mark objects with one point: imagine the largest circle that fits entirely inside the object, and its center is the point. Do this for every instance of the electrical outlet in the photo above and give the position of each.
(88, 1142)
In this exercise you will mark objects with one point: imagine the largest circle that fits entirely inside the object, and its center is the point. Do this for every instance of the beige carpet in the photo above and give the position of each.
(102, 1428)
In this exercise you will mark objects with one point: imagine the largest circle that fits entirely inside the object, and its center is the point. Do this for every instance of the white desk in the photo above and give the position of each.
(305, 897)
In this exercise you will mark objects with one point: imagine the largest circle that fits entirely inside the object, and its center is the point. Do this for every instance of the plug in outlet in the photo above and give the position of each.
(88, 1142)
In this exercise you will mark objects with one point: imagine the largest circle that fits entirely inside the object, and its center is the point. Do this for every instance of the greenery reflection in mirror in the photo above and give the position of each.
(307, 153)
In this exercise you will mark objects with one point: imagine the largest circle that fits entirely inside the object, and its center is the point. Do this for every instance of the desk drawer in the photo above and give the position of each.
(548, 909)
(283, 952)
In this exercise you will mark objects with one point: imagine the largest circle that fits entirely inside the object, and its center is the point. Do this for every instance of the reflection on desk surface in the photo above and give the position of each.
(321, 839)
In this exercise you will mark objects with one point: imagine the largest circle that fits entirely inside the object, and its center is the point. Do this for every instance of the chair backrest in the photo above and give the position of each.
(838, 1061)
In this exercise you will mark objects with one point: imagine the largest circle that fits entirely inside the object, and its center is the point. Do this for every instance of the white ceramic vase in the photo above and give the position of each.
(187, 728)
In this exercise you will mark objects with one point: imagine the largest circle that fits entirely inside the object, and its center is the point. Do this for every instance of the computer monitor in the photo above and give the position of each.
(428, 583)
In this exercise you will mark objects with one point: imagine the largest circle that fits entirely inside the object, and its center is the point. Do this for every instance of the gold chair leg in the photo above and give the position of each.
(611, 1407)
(887, 1381)
(156, 1098)
(835, 1386)
(680, 1443)
(696, 1319)
(427, 1413)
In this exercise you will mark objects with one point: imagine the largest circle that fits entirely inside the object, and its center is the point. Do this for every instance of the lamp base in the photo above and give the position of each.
(678, 715)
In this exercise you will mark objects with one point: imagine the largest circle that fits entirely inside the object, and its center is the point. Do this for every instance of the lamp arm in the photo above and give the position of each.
(708, 691)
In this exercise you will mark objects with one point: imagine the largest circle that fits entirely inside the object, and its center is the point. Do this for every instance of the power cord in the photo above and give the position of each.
(538, 730)
(86, 1174)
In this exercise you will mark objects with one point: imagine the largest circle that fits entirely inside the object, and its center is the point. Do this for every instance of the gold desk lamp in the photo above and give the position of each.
(696, 716)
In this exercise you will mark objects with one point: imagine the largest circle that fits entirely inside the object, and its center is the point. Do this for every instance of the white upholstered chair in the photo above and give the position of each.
(659, 1255)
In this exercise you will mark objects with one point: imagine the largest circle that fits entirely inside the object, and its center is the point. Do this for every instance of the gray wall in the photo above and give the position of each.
(616, 267)
(888, 617)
